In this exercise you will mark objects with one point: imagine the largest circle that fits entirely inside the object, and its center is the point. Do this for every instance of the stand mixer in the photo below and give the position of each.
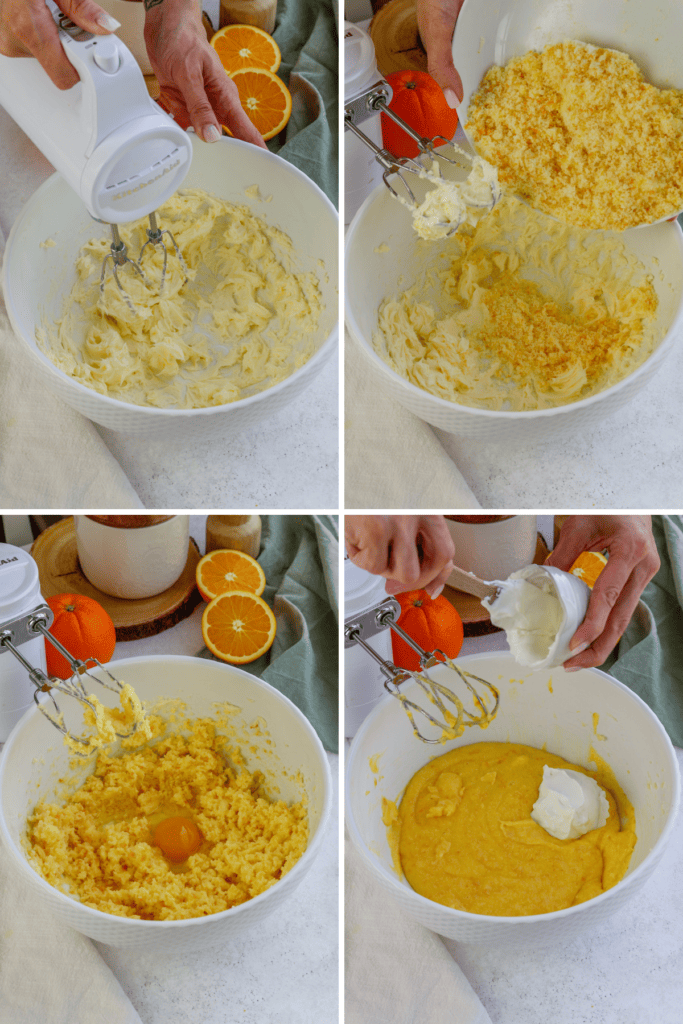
(119, 151)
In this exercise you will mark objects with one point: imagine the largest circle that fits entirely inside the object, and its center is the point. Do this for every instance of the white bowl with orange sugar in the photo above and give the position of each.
(586, 718)
(155, 849)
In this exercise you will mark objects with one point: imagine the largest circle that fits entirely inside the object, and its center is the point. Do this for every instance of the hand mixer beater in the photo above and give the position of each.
(32, 624)
(363, 627)
(443, 213)
(119, 151)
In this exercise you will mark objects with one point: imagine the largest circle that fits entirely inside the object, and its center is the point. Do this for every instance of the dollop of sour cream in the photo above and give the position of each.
(569, 803)
(530, 615)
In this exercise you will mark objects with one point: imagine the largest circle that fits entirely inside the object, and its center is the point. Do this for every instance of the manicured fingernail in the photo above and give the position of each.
(210, 133)
(579, 649)
(572, 668)
(106, 21)
(451, 98)
(434, 593)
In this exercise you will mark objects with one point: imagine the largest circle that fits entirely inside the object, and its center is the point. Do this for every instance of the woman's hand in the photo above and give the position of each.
(194, 85)
(27, 29)
(411, 552)
(436, 21)
(632, 562)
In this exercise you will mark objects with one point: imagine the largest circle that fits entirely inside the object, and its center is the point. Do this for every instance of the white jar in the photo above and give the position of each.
(362, 173)
(19, 594)
(363, 678)
(133, 562)
(493, 550)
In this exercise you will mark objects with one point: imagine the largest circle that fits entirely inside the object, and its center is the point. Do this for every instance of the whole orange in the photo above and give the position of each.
(83, 626)
(433, 624)
(419, 101)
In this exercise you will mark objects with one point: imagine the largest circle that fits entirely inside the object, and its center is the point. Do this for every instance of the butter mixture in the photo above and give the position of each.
(521, 312)
(176, 830)
(450, 204)
(246, 319)
(578, 132)
(466, 839)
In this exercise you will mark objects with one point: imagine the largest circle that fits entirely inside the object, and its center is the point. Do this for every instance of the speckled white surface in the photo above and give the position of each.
(631, 460)
(289, 461)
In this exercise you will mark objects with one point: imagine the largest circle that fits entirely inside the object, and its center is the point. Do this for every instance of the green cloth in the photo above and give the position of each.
(300, 557)
(649, 658)
(306, 32)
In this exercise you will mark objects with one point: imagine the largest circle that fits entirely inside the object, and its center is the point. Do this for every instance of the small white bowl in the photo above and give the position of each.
(36, 281)
(35, 758)
(497, 31)
(385, 755)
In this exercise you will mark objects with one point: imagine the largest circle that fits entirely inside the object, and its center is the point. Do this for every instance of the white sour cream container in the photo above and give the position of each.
(573, 596)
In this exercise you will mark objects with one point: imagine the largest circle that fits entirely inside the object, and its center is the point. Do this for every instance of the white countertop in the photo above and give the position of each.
(288, 461)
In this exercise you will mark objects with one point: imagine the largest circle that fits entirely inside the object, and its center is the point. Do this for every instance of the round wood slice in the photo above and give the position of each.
(398, 46)
(55, 553)
(475, 618)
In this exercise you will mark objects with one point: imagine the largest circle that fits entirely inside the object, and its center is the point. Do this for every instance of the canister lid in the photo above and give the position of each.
(19, 582)
(360, 65)
(362, 590)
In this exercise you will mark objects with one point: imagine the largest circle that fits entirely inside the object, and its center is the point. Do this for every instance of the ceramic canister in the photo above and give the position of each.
(362, 173)
(132, 556)
(363, 679)
(19, 594)
(492, 547)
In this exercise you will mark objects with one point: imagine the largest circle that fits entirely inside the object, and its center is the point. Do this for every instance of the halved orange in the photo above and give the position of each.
(226, 569)
(588, 566)
(265, 99)
(238, 627)
(246, 46)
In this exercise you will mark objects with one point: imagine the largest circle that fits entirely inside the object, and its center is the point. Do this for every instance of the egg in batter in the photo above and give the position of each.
(177, 829)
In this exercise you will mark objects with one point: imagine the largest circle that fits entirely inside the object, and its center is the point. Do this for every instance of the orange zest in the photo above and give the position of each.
(83, 626)
(588, 566)
(238, 627)
(226, 569)
(246, 46)
(265, 99)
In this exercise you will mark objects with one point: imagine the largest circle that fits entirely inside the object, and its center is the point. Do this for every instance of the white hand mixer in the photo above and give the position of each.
(119, 151)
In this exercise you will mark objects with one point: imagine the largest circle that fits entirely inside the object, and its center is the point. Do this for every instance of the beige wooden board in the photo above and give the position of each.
(397, 43)
(55, 553)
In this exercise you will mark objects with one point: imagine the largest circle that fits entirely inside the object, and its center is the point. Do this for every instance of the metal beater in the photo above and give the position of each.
(385, 616)
(118, 254)
(425, 166)
(26, 627)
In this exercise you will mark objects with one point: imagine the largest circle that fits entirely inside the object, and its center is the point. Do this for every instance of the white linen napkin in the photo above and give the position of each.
(393, 459)
(51, 457)
(397, 972)
(48, 971)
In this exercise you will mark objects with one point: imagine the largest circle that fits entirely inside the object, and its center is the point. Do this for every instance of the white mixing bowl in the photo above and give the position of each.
(34, 759)
(494, 32)
(36, 281)
(385, 755)
(374, 274)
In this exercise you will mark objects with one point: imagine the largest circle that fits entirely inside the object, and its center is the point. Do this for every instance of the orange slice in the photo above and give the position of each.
(265, 99)
(245, 46)
(225, 569)
(588, 566)
(238, 627)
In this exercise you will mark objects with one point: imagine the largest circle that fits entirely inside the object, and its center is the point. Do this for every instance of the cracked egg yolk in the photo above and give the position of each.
(177, 838)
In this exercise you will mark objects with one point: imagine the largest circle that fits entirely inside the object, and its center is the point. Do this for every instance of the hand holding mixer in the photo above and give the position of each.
(119, 151)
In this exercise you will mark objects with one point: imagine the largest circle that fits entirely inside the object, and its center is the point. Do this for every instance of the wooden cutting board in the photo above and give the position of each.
(55, 553)
(475, 618)
(398, 46)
